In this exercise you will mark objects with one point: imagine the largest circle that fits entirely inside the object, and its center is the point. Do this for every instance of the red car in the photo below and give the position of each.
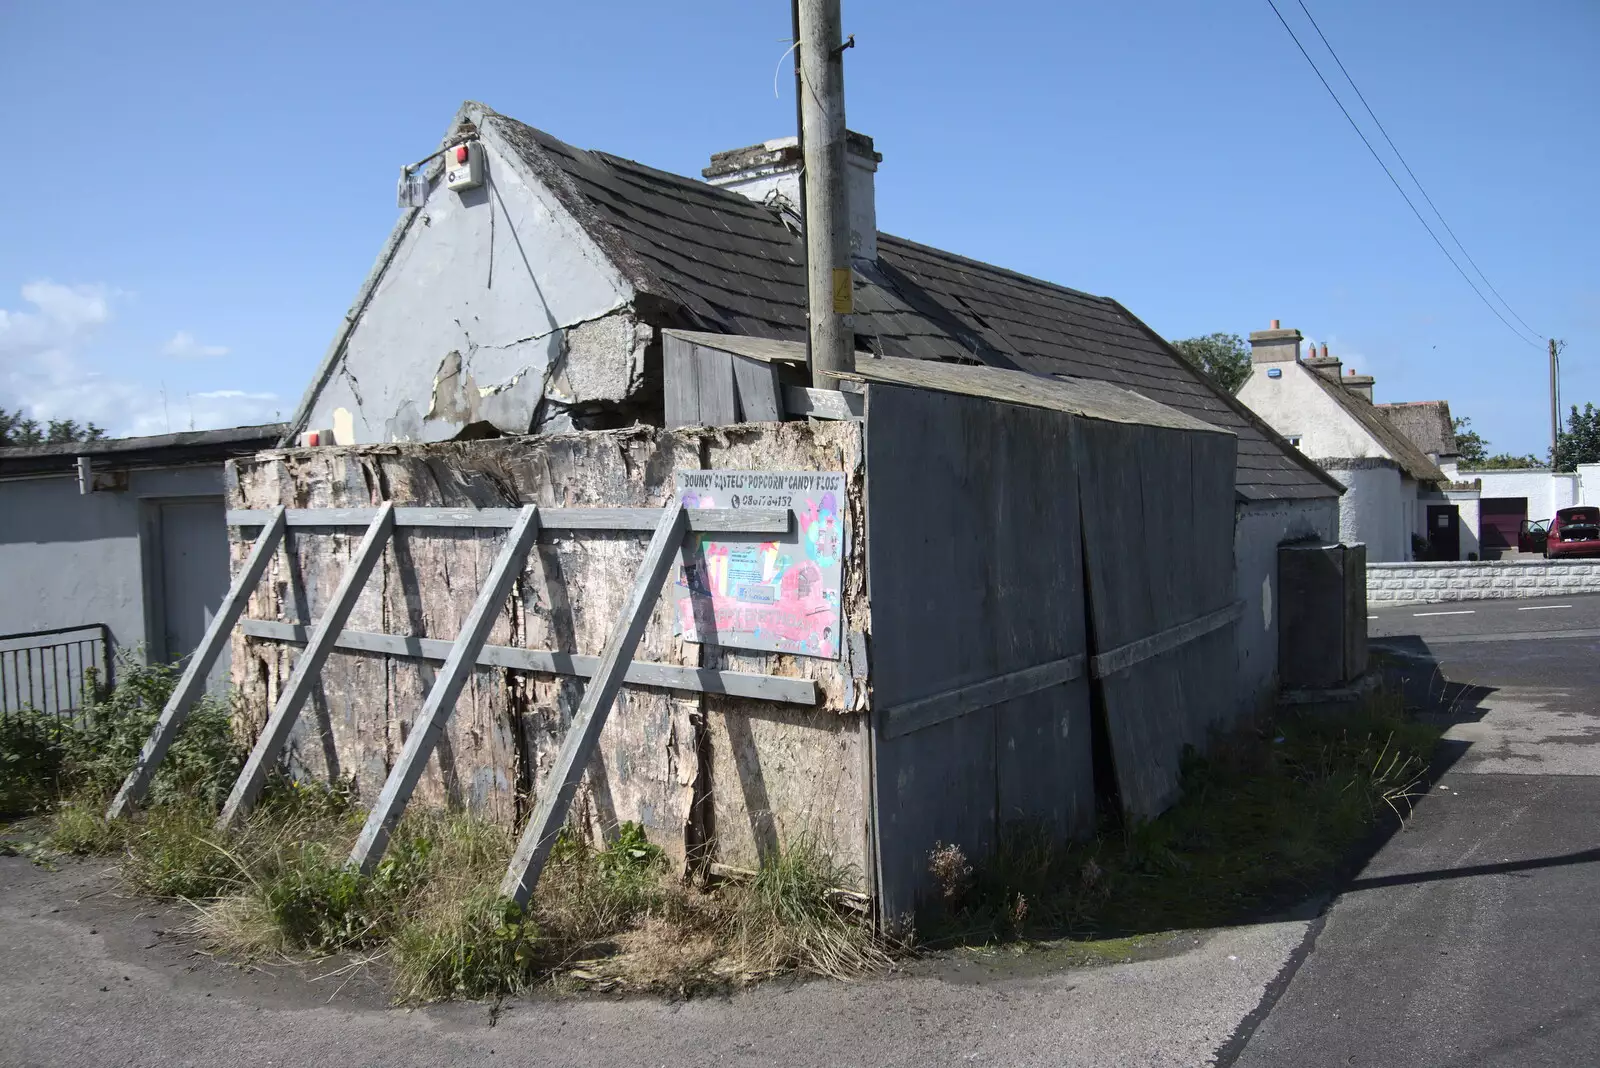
(1574, 532)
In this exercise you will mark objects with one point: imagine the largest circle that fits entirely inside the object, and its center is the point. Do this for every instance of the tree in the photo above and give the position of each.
(19, 429)
(1580, 442)
(1504, 461)
(1474, 450)
(1223, 358)
(1470, 445)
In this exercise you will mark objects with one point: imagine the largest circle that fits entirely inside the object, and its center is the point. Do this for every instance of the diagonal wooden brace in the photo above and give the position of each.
(533, 849)
(441, 700)
(193, 683)
(306, 670)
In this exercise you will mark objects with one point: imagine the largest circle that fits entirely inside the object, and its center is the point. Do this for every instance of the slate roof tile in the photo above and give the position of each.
(734, 266)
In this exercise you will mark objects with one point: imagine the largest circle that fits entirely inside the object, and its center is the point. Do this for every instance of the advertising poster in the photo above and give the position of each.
(749, 591)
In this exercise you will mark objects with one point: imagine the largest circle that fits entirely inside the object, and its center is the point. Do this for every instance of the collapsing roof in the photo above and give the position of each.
(709, 259)
(1426, 424)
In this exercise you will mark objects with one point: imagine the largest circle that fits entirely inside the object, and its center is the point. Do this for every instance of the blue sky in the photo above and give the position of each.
(199, 189)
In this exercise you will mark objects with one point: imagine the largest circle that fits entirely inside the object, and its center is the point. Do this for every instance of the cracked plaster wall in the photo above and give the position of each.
(732, 775)
(496, 308)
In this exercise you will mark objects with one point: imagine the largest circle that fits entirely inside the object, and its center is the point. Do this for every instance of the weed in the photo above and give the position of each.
(482, 946)
(80, 827)
(785, 918)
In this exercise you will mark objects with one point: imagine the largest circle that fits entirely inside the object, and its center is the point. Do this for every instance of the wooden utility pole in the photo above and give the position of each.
(830, 290)
(1555, 402)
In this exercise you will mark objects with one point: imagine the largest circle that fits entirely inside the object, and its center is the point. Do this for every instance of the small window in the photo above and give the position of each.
(1293, 439)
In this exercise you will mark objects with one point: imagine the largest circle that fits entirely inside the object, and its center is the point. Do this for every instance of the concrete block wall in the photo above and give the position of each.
(1431, 583)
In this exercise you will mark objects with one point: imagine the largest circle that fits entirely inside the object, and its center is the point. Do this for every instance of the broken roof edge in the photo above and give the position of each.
(531, 157)
(612, 250)
(391, 246)
(1243, 410)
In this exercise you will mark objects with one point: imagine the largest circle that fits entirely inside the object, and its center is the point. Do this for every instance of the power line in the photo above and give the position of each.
(1420, 188)
(1398, 187)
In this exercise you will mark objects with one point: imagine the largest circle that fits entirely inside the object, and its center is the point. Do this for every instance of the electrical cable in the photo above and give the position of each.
(1398, 187)
(1420, 188)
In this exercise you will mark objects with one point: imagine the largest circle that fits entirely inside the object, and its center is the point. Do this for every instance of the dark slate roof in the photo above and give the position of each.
(1426, 423)
(726, 264)
(1401, 448)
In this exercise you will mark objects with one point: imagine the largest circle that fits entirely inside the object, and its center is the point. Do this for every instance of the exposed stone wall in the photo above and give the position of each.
(697, 770)
(1428, 583)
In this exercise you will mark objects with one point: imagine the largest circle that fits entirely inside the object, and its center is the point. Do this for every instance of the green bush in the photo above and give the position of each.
(45, 758)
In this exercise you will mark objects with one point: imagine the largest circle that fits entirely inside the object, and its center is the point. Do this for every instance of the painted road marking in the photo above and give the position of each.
(1462, 612)
(1542, 607)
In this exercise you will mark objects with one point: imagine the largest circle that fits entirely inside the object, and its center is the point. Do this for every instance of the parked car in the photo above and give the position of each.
(1574, 532)
(1532, 537)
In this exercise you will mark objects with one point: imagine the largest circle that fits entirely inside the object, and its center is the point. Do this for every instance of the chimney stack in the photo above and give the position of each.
(1360, 385)
(1326, 366)
(1275, 345)
(770, 172)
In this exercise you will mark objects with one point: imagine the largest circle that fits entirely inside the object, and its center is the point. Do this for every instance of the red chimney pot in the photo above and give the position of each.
(1324, 350)
(1274, 324)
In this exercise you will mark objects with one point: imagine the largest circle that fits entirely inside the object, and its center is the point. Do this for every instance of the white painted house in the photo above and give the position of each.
(1394, 491)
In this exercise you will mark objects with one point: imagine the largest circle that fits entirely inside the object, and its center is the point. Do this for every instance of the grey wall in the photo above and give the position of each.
(975, 572)
(1263, 526)
(68, 559)
(495, 307)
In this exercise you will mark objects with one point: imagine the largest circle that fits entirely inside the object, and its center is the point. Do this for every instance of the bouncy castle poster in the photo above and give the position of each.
(755, 592)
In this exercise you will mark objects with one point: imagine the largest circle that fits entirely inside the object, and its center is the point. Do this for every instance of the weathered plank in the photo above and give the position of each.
(779, 688)
(539, 836)
(822, 403)
(759, 399)
(719, 404)
(193, 682)
(463, 657)
(1125, 656)
(681, 385)
(306, 669)
(926, 711)
(727, 520)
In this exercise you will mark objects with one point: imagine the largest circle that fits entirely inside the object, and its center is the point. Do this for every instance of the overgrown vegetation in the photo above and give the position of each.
(1266, 817)
(44, 757)
(279, 886)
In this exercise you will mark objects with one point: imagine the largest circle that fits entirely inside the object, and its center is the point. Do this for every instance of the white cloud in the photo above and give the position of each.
(183, 346)
(61, 316)
(42, 371)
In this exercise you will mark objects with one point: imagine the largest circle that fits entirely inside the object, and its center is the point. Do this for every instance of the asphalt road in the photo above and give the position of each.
(1470, 939)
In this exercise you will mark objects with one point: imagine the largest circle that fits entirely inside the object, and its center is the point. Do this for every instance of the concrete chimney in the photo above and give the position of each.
(1360, 385)
(1274, 345)
(1326, 366)
(770, 173)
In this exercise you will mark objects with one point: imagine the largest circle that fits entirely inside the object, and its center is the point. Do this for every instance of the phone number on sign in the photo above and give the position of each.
(762, 500)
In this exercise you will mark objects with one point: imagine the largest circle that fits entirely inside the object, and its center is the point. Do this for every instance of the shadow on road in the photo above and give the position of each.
(1583, 856)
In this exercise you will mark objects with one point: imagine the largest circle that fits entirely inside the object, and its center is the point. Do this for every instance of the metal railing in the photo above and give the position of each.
(50, 670)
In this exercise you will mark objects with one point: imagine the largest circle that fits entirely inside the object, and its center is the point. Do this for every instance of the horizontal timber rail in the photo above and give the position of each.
(666, 676)
(726, 520)
(1126, 656)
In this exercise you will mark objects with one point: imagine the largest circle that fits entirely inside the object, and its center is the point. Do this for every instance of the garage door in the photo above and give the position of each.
(1500, 518)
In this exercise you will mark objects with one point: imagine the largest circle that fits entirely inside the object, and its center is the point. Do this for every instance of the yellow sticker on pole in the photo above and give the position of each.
(844, 295)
